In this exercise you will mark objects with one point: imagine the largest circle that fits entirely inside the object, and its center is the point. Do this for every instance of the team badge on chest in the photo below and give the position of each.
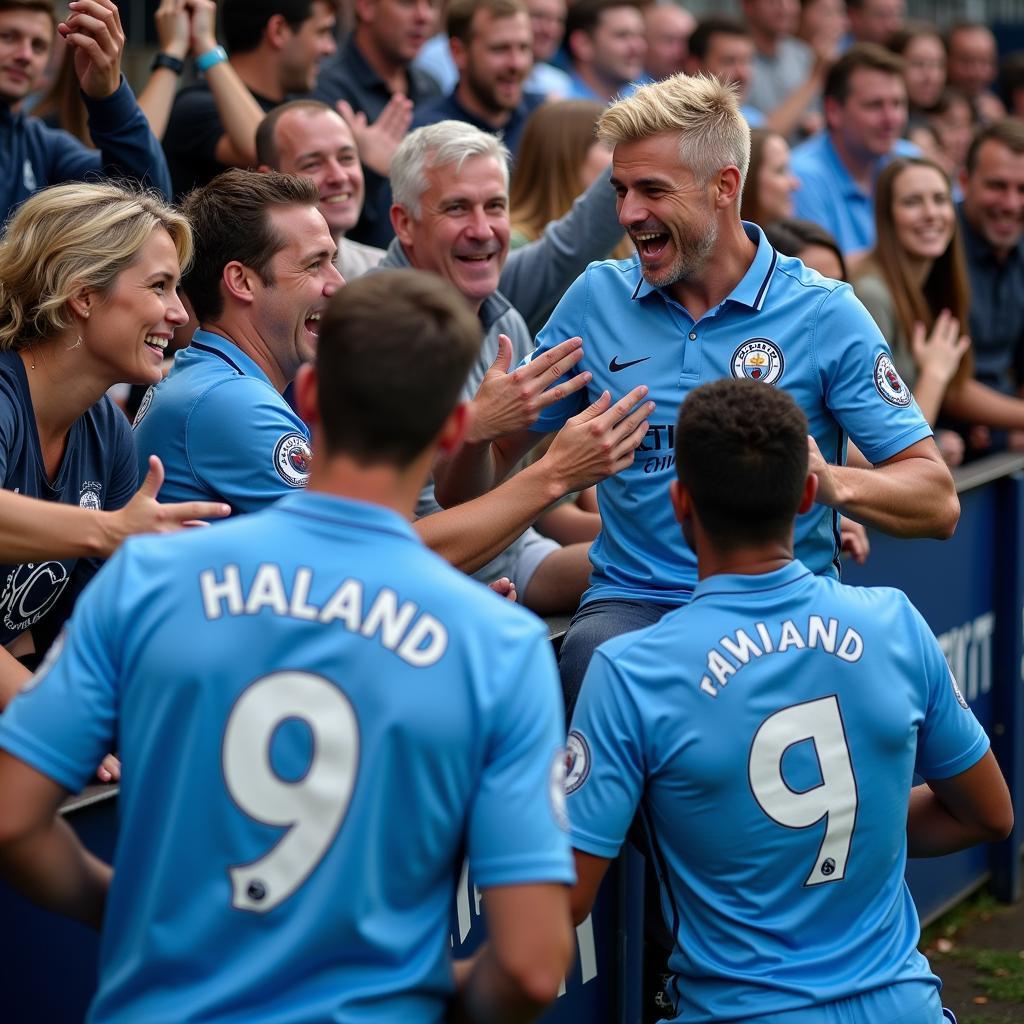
(758, 359)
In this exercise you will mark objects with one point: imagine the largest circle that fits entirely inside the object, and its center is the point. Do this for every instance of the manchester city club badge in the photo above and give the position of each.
(758, 359)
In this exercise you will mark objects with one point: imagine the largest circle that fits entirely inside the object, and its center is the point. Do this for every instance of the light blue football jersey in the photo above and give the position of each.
(222, 430)
(317, 718)
(769, 732)
(782, 324)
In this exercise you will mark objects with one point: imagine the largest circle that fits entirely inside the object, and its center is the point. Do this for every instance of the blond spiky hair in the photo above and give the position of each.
(704, 111)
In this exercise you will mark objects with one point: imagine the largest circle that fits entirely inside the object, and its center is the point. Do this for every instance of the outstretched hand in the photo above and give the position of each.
(508, 402)
(144, 514)
(377, 142)
(601, 440)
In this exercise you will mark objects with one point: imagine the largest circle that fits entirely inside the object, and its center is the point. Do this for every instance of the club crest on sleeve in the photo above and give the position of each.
(956, 691)
(758, 359)
(147, 401)
(292, 458)
(888, 382)
(577, 761)
(556, 790)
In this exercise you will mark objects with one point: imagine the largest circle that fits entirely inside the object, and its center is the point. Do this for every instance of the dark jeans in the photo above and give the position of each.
(592, 625)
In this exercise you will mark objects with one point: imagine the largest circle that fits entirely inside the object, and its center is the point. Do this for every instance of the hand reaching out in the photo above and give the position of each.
(377, 142)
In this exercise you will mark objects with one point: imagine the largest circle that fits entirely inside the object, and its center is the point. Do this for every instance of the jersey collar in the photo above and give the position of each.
(338, 510)
(752, 287)
(220, 347)
(735, 583)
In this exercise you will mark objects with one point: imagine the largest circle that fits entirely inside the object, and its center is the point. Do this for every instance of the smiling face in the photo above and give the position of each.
(310, 43)
(130, 326)
(922, 212)
(494, 63)
(994, 196)
(776, 183)
(286, 312)
(25, 41)
(462, 230)
(317, 144)
(669, 217)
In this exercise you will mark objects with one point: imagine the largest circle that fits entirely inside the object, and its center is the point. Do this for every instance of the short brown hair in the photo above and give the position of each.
(43, 6)
(459, 19)
(859, 57)
(266, 142)
(230, 216)
(1009, 132)
(423, 346)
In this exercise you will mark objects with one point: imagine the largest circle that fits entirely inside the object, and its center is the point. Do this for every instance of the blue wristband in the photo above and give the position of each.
(207, 60)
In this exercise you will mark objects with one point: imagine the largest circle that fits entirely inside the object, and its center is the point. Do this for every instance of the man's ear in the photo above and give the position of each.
(277, 31)
(306, 397)
(238, 280)
(458, 50)
(401, 221)
(681, 501)
(453, 431)
(728, 187)
(810, 492)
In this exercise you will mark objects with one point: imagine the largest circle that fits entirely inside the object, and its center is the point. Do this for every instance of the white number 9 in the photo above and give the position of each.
(313, 807)
(835, 799)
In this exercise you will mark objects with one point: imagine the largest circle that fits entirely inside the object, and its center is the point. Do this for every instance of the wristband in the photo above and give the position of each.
(207, 60)
(165, 60)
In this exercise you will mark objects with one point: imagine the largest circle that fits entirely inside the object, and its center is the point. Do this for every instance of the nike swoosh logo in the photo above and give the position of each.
(615, 365)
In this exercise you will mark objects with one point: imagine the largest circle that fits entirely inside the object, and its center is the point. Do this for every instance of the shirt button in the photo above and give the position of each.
(693, 336)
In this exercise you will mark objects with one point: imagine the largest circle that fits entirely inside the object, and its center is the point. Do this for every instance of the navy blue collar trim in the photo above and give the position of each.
(767, 278)
(220, 355)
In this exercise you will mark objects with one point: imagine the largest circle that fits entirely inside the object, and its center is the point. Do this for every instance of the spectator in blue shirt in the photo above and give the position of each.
(865, 115)
(33, 155)
(490, 44)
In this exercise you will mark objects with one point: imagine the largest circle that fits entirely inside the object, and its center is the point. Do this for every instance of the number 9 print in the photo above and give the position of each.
(311, 808)
(835, 799)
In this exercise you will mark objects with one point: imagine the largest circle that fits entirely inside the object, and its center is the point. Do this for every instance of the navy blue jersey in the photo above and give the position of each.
(98, 471)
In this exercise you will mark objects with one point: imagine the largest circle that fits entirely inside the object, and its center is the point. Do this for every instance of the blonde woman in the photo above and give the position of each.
(88, 278)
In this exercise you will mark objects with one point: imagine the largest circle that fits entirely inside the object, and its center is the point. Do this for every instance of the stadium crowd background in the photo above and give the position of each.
(887, 150)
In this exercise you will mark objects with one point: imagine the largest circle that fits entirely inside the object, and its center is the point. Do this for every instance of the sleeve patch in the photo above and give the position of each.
(889, 384)
(577, 761)
(292, 458)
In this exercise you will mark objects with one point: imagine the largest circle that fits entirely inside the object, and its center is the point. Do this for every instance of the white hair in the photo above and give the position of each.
(439, 145)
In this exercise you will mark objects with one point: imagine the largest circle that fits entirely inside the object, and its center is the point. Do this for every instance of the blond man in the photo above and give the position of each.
(707, 298)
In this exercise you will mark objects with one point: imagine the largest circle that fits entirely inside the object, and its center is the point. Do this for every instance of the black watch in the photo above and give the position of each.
(165, 60)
